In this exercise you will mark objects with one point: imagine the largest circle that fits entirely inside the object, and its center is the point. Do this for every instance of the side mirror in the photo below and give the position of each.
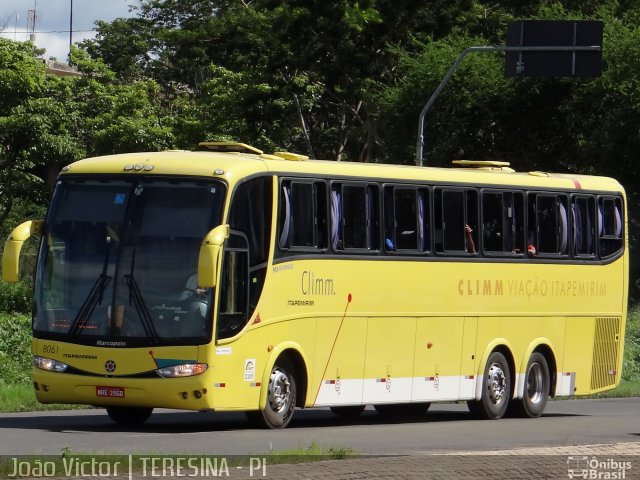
(209, 258)
(13, 246)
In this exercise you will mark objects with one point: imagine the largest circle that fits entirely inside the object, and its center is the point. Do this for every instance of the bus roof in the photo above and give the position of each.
(232, 166)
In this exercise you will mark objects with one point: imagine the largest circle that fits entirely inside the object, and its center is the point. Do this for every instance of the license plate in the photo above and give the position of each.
(110, 392)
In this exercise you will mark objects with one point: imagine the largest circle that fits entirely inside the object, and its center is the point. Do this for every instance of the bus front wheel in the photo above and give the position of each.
(536, 388)
(129, 415)
(496, 389)
(281, 397)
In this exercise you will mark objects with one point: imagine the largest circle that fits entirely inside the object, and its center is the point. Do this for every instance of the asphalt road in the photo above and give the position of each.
(445, 428)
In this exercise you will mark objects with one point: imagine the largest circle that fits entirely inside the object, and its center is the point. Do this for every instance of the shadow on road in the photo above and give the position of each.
(169, 421)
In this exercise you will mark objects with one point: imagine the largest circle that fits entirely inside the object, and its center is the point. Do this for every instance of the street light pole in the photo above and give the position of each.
(70, 27)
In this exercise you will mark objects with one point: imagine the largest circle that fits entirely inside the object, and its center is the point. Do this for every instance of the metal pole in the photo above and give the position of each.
(70, 28)
(456, 64)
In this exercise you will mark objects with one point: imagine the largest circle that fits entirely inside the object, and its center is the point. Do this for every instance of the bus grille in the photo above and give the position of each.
(605, 352)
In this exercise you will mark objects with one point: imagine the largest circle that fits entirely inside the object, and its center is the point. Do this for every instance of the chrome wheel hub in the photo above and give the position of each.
(279, 392)
(535, 382)
(497, 383)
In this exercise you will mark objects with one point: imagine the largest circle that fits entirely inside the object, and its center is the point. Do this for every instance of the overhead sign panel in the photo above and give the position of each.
(565, 60)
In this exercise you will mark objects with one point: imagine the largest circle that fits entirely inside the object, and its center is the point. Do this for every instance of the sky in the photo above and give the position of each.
(52, 21)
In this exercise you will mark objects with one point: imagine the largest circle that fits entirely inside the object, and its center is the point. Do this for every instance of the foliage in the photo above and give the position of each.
(118, 116)
(631, 363)
(16, 298)
(308, 67)
(15, 348)
(34, 124)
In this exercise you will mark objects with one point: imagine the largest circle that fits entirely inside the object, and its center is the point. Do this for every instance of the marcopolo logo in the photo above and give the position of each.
(597, 468)
(110, 366)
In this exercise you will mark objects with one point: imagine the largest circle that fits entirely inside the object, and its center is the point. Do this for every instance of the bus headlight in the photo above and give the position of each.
(49, 364)
(186, 370)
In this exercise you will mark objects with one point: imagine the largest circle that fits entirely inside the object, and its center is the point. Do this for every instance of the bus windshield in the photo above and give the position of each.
(118, 262)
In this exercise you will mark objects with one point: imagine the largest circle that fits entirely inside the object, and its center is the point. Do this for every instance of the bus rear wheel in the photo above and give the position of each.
(536, 388)
(129, 415)
(281, 397)
(496, 389)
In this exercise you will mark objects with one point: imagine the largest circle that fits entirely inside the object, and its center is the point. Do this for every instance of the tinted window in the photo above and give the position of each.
(583, 217)
(610, 225)
(302, 214)
(454, 210)
(354, 215)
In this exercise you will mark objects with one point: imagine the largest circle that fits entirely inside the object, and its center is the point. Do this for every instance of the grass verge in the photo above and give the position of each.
(630, 388)
(21, 398)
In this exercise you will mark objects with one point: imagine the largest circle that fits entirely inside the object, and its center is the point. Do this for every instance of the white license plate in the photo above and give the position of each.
(110, 392)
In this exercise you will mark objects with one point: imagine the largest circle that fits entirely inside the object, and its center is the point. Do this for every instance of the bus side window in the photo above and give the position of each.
(285, 215)
(471, 219)
(438, 241)
(492, 228)
(609, 225)
(502, 222)
(547, 222)
(582, 215)
(373, 217)
(455, 209)
(453, 220)
(424, 219)
(354, 216)
(402, 209)
(563, 225)
(532, 224)
(355, 220)
(250, 214)
(552, 224)
(389, 220)
(336, 219)
(302, 214)
(514, 222)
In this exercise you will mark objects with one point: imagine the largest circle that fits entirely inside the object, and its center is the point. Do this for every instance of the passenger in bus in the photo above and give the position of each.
(196, 299)
(468, 233)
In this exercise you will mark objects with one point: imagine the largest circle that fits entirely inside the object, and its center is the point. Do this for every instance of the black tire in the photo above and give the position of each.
(129, 415)
(475, 409)
(537, 383)
(402, 409)
(496, 389)
(281, 397)
(349, 411)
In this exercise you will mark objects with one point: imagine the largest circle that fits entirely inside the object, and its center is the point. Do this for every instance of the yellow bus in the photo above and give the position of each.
(227, 279)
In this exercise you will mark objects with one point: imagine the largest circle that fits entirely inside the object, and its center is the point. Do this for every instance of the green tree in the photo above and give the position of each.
(320, 62)
(119, 116)
(36, 127)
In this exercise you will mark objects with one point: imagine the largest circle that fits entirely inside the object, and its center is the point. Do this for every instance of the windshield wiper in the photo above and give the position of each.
(94, 298)
(135, 297)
